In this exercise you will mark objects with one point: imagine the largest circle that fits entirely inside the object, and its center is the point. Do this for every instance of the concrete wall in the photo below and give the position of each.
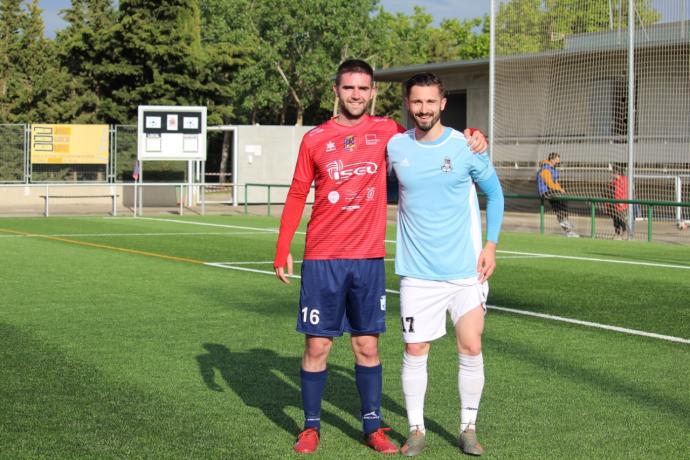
(267, 155)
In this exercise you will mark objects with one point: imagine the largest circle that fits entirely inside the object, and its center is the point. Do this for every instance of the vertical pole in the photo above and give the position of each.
(594, 220)
(246, 210)
(631, 117)
(27, 160)
(269, 199)
(45, 211)
(541, 217)
(650, 209)
(679, 196)
(492, 76)
(141, 189)
(190, 181)
(235, 153)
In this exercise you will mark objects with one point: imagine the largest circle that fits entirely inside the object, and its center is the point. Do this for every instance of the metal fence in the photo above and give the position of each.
(603, 83)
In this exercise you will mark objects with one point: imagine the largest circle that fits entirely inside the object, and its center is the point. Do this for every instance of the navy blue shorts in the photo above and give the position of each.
(342, 295)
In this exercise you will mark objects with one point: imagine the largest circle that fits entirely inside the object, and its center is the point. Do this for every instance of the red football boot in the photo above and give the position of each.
(380, 442)
(307, 441)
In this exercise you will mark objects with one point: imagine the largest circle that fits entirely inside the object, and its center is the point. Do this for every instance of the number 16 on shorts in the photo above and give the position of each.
(310, 316)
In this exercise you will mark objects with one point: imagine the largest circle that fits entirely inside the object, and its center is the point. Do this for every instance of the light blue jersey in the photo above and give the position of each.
(439, 222)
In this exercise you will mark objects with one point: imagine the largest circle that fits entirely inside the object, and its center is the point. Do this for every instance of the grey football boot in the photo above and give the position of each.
(469, 443)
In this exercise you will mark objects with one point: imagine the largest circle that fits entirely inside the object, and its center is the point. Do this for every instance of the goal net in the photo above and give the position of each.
(564, 81)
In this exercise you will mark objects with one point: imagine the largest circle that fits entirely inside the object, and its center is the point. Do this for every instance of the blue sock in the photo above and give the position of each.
(313, 384)
(369, 384)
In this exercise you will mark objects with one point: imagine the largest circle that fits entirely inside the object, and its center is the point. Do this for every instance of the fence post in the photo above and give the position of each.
(541, 217)
(269, 200)
(246, 211)
(594, 220)
(649, 222)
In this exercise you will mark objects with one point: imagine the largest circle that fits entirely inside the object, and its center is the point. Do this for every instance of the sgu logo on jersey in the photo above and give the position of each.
(447, 166)
(350, 143)
(337, 171)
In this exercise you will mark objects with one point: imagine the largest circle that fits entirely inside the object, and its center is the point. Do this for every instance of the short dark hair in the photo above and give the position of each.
(353, 66)
(424, 79)
(553, 156)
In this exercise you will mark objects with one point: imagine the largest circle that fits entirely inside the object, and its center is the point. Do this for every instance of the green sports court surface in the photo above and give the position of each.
(170, 338)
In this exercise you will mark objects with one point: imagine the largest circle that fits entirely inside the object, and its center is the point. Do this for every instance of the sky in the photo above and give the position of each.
(439, 9)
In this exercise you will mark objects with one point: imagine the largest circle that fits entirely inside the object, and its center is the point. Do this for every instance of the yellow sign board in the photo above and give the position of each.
(69, 144)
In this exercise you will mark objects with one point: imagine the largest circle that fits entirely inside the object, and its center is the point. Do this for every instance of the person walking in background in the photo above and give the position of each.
(550, 189)
(618, 190)
(439, 254)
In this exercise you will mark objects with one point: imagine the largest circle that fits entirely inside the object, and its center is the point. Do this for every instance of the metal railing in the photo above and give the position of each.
(268, 194)
(650, 204)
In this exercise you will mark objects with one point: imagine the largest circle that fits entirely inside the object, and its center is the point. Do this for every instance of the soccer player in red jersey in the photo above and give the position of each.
(343, 279)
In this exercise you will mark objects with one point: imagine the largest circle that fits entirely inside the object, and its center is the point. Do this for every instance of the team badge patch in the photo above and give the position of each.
(447, 166)
(350, 143)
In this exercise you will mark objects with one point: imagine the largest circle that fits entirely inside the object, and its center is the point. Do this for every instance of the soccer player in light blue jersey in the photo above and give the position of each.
(439, 256)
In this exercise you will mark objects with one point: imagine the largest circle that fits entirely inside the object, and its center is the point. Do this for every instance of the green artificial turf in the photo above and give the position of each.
(118, 342)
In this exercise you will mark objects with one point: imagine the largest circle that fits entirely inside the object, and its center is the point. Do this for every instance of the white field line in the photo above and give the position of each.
(607, 327)
(208, 224)
(594, 259)
(267, 262)
(534, 254)
(82, 235)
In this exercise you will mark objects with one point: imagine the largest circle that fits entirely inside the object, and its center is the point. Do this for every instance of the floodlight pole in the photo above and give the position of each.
(492, 76)
(631, 117)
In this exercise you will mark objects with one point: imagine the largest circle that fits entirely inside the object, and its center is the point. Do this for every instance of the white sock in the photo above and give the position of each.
(470, 386)
(414, 379)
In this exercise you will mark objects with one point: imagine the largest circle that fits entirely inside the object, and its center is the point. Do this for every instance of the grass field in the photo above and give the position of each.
(119, 340)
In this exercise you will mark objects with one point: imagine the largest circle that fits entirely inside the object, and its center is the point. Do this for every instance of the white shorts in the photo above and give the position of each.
(424, 303)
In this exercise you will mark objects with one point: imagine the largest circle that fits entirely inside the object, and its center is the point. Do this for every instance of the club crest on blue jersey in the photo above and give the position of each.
(350, 143)
(447, 166)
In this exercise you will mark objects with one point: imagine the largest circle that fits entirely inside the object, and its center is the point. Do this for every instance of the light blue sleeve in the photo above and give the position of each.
(491, 186)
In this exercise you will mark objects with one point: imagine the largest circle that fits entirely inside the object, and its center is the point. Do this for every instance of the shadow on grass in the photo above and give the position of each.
(258, 377)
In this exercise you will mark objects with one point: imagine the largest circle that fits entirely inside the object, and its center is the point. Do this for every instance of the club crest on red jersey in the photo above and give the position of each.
(350, 143)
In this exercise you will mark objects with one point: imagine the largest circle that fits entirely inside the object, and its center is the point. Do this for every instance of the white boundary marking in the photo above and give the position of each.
(563, 319)
(594, 259)
(81, 235)
(532, 254)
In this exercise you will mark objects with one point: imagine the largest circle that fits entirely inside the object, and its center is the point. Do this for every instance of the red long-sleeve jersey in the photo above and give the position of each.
(348, 167)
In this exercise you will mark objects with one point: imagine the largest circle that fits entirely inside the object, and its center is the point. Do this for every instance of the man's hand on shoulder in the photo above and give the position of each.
(476, 140)
(280, 271)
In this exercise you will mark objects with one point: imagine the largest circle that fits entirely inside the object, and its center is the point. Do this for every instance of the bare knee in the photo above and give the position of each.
(417, 349)
(316, 351)
(366, 350)
(470, 347)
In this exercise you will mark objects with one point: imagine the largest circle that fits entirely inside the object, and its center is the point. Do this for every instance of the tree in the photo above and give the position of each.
(154, 57)
(81, 50)
(534, 26)
(28, 70)
(401, 40)
(294, 46)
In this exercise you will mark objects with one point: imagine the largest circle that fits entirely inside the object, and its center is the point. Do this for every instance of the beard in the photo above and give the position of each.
(352, 114)
(426, 125)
